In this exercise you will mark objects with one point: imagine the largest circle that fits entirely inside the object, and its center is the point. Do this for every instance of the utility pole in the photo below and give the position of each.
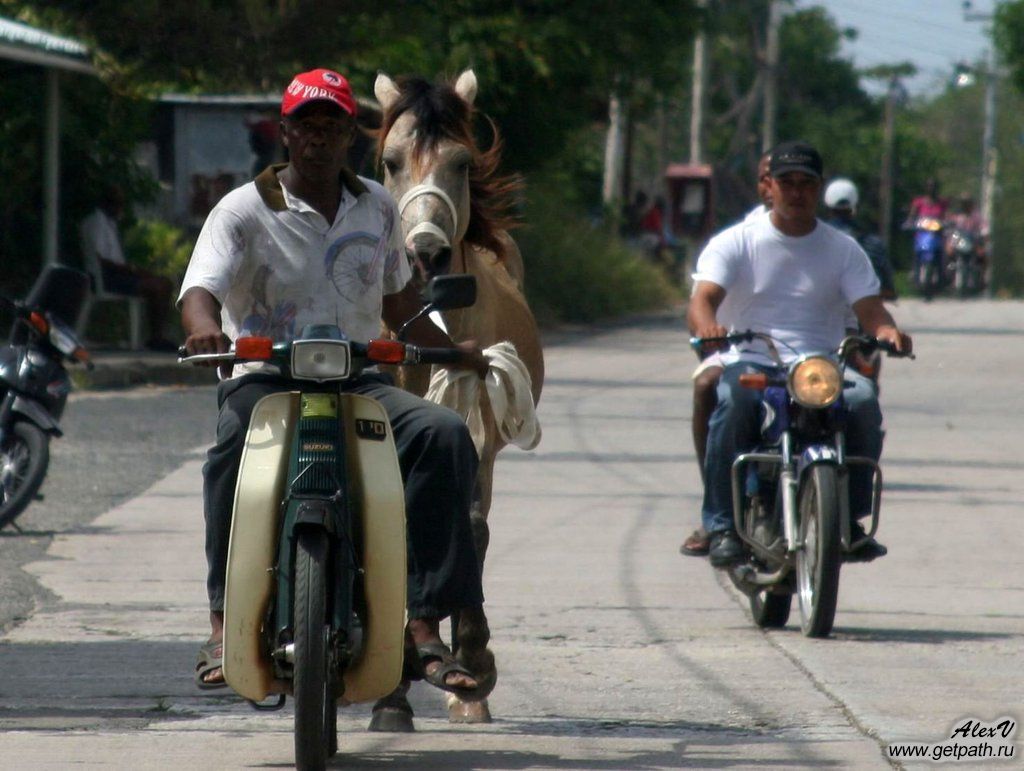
(698, 90)
(989, 154)
(771, 74)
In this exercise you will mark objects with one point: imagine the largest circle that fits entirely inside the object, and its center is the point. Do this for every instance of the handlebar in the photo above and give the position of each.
(376, 351)
(865, 343)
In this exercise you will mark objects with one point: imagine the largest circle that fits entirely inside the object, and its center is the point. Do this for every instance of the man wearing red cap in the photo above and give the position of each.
(310, 242)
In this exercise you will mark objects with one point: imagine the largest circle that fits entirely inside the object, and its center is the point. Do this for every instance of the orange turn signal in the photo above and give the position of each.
(38, 320)
(254, 348)
(385, 351)
(755, 380)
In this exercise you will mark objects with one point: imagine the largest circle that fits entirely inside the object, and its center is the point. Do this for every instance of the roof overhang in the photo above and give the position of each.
(23, 43)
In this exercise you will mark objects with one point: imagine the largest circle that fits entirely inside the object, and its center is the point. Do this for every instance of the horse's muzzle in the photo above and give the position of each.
(431, 262)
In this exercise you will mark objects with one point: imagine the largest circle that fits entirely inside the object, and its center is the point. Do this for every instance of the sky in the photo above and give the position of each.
(932, 34)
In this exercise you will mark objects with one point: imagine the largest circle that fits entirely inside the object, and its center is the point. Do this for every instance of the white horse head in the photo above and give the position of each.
(428, 154)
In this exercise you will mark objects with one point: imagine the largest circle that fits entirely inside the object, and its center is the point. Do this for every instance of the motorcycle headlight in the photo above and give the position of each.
(815, 382)
(321, 359)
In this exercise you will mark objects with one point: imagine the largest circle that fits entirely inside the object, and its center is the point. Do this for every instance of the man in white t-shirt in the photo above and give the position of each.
(793, 277)
(309, 242)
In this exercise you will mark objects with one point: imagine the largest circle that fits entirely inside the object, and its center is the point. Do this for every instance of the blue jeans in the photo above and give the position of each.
(735, 429)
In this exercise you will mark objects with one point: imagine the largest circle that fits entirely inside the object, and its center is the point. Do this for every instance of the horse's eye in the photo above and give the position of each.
(390, 166)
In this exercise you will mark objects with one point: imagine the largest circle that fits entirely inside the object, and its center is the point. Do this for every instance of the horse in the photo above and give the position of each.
(454, 208)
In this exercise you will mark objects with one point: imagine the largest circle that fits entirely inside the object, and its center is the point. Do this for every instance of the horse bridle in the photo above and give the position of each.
(429, 227)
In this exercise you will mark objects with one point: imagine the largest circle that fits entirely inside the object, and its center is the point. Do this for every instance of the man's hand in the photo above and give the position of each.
(898, 339)
(200, 316)
(472, 358)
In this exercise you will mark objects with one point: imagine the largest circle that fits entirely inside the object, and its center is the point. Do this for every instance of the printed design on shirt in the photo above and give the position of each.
(354, 262)
(277, 320)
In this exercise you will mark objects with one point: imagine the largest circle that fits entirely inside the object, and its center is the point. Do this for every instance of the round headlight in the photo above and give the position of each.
(815, 382)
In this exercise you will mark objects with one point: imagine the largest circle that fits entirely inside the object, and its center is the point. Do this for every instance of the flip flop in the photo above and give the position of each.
(438, 650)
(209, 658)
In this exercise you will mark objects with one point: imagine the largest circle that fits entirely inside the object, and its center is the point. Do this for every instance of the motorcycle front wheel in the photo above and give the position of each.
(819, 558)
(315, 708)
(24, 458)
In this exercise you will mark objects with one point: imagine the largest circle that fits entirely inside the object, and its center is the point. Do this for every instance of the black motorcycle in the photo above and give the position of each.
(34, 385)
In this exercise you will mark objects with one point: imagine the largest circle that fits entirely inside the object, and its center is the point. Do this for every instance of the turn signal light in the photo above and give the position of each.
(385, 351)
(755, 380)
(38, 321)
(254, 348)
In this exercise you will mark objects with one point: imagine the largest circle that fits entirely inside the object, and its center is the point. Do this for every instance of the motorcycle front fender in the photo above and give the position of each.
(37, 414)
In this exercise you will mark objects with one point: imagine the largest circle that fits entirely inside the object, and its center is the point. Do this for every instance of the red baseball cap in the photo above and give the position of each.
(318, 85)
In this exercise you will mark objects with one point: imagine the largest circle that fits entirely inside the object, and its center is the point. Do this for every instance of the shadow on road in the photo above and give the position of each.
(926, 636)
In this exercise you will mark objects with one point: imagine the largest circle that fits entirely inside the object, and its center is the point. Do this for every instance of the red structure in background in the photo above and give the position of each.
(691, 200)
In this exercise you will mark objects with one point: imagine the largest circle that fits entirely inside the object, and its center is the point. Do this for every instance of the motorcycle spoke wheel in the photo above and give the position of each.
(819, 559)
(24, 459)
(314, 701)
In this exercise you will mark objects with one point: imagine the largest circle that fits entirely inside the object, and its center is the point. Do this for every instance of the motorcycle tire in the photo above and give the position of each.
(819, 559)
(313, 692)
(770, 610)
(24, 459)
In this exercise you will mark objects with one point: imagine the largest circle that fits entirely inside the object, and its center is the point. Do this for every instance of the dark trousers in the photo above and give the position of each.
(438, 462)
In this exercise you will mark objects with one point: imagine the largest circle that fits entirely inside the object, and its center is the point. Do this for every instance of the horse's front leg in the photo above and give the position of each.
(473, 634)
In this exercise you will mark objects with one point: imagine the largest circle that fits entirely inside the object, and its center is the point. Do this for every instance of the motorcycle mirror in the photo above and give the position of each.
(445, 293)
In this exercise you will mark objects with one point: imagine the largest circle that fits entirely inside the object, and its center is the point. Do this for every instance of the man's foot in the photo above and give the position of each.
(436, 668)
(209, 672)
(726, 549)
(867, 551)
(696, 544)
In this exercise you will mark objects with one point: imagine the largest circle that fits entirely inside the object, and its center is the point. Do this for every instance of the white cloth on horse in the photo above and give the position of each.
(510, 392)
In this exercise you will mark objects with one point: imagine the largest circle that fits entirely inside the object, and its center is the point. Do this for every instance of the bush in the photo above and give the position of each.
(159, 248)
(577, 271)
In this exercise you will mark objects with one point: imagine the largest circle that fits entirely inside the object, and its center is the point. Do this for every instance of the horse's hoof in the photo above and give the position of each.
(391, 720)
(468, 711)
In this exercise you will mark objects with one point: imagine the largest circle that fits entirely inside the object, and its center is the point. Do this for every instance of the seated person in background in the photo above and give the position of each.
(101, 243)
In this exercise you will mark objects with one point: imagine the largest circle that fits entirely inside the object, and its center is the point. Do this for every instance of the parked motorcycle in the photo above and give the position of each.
(929, 251)
(34, 385)
(965, 265)
(315, 598)
(790, 494)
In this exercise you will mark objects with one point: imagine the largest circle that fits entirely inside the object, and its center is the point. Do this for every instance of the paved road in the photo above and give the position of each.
(615, 652)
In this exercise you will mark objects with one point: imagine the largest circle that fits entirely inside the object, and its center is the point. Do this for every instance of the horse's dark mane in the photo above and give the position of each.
(441, 113)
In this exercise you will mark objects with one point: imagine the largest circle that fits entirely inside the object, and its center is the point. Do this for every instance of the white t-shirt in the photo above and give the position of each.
(796, 289)
(99, 237)
(275, 264)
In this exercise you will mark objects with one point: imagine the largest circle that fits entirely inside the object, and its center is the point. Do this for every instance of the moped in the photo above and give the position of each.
(315, 598)
(791, 493)
(34, 385)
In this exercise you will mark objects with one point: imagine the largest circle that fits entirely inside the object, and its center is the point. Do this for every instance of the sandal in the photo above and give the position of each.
(437, 678)
(209, 658)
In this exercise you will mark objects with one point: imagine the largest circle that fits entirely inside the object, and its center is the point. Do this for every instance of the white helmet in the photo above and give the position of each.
(841, 194)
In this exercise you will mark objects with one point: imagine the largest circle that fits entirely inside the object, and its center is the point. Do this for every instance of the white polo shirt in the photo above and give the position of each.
(797, 289)
(275, 264)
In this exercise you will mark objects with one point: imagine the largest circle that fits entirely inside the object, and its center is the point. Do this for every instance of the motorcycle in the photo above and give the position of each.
(790, 494)
(929, 251)
(34, 385)
(315, 599)
(965, 266)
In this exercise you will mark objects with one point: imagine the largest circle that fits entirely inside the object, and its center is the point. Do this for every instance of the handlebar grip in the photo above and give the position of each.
(440, 355)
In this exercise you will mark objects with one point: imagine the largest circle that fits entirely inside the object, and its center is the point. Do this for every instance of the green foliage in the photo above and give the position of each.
(576, 271)
(158, 247)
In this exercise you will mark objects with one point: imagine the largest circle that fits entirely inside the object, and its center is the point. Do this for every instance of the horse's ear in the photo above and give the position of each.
(385, 90)
(465, 86)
